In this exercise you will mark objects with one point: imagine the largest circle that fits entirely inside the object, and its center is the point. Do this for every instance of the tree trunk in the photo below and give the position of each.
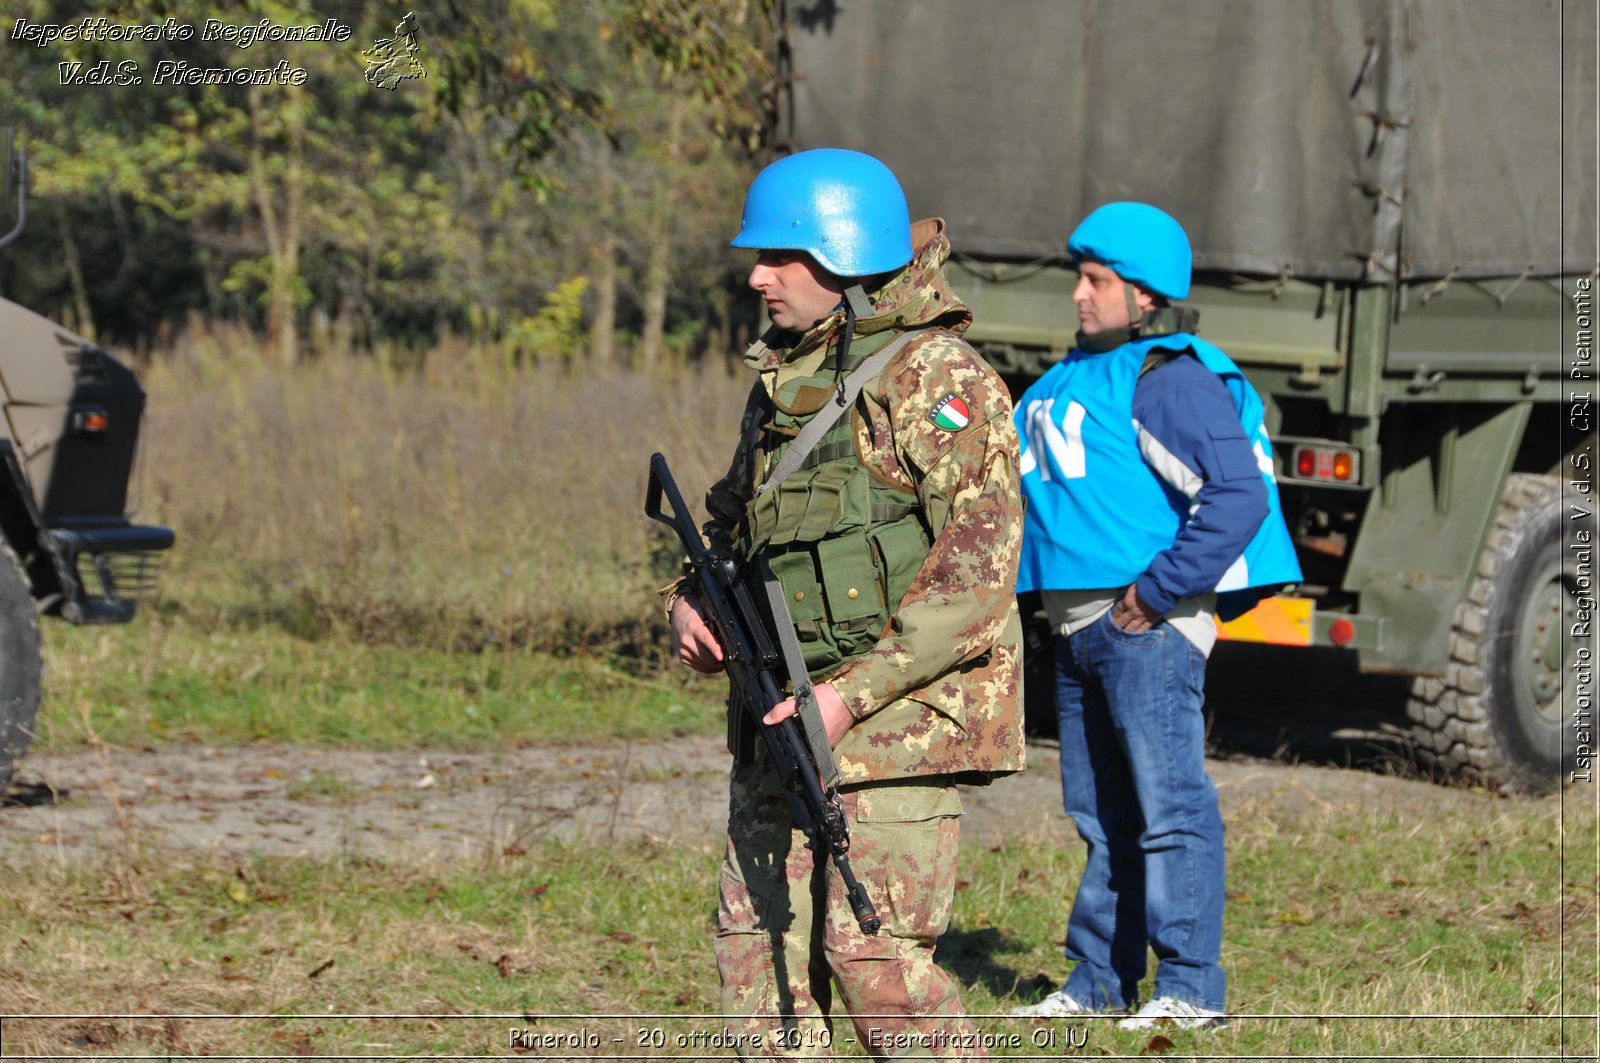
(294, 187)
(603, 271)
(720, 342)
(282, 231)
(602, 328)
(217, 304)
(80, 291)
(658, 266)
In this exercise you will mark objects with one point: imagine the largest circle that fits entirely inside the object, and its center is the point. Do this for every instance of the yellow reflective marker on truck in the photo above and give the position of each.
(1280, 621)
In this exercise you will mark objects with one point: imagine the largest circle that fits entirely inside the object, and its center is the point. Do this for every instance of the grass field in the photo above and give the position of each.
(173, 676)
(449, 552)
(1336, 926)
(454, 500)
(1343, 926)
(398, 549)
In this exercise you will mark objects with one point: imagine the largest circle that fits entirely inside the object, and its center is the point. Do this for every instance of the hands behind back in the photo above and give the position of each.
(1132, 615)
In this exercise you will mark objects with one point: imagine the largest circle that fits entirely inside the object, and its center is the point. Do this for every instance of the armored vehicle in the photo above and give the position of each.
(1392, 208)
(67, 445)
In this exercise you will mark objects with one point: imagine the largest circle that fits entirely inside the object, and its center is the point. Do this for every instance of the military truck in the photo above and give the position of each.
(67, 446)
(1392, 209)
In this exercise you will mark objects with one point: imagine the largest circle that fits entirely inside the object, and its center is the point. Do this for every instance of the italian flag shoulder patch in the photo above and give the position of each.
(950, 413)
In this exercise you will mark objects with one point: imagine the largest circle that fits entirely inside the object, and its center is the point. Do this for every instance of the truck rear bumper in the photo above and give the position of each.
(107, 571)
(1282, 620)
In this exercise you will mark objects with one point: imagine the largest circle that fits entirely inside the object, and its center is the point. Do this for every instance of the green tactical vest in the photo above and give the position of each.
(843, 544)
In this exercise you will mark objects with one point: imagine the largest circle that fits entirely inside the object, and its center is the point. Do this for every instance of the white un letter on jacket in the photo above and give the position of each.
(1064, 443)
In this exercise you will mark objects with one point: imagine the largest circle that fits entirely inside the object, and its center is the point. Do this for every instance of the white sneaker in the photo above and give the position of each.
(1054, 1006)
(1170, 1011)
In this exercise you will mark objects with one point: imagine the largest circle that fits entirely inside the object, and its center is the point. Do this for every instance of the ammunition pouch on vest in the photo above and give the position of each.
(843, 544)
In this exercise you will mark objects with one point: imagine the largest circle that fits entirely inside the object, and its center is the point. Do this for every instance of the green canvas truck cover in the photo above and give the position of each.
(1323, 139)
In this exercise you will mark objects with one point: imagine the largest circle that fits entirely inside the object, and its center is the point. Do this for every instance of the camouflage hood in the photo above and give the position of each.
(919, 294)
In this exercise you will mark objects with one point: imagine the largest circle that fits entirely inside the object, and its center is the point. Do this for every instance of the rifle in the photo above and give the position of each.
(754, 668)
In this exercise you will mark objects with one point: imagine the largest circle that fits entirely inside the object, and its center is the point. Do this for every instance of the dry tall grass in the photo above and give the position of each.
(455, 499)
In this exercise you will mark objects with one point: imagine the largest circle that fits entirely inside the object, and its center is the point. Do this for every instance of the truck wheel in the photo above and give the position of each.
(20, 665)
(1496, 716)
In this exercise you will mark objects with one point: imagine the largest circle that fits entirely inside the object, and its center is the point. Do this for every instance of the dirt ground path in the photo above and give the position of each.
(277, 800)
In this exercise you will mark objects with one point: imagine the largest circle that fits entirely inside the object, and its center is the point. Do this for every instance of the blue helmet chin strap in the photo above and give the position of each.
(855, 301)
(856, 305)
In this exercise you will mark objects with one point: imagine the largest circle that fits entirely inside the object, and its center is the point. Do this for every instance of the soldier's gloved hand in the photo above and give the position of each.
(697, 643)
(835, 717)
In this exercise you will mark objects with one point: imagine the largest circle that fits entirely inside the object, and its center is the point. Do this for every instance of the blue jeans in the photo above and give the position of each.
(1134, 781)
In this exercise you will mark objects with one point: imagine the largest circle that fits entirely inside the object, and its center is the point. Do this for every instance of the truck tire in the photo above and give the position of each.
(21, 665)
(1496, 717)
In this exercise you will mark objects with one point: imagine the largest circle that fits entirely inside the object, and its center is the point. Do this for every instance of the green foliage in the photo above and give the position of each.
(719, 48)
(557, 333)
(535, 72)
(342, 209)
(254, 276)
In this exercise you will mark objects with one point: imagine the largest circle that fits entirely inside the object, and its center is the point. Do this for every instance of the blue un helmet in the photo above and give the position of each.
(843, 208)
(1138, 243)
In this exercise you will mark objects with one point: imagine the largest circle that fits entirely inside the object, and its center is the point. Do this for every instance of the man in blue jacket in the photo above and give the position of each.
(1151, 508)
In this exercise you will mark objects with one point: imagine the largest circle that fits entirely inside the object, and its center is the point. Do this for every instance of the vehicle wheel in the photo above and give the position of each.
(1496, 716)
(20, 665)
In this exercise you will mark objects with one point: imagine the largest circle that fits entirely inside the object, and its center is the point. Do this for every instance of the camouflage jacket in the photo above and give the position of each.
(940, 692)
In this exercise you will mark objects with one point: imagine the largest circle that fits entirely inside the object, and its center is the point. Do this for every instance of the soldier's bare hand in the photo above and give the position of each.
(1132, 615)
(697, 643)
(835, 717)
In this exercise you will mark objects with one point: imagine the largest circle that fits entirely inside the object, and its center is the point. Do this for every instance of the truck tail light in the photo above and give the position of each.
(1327, 463)
(90, 420)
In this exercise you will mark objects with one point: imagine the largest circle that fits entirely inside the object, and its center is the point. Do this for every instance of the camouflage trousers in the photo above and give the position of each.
(784, 926)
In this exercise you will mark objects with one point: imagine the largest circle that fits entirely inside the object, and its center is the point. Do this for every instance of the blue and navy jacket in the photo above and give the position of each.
(1164, 479)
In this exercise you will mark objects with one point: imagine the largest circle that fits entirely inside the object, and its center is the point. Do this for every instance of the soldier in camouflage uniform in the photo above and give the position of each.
(896, 546)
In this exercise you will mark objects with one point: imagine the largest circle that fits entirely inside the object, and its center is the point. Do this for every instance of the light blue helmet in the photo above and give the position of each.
(1138, 243)
(842, 207)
